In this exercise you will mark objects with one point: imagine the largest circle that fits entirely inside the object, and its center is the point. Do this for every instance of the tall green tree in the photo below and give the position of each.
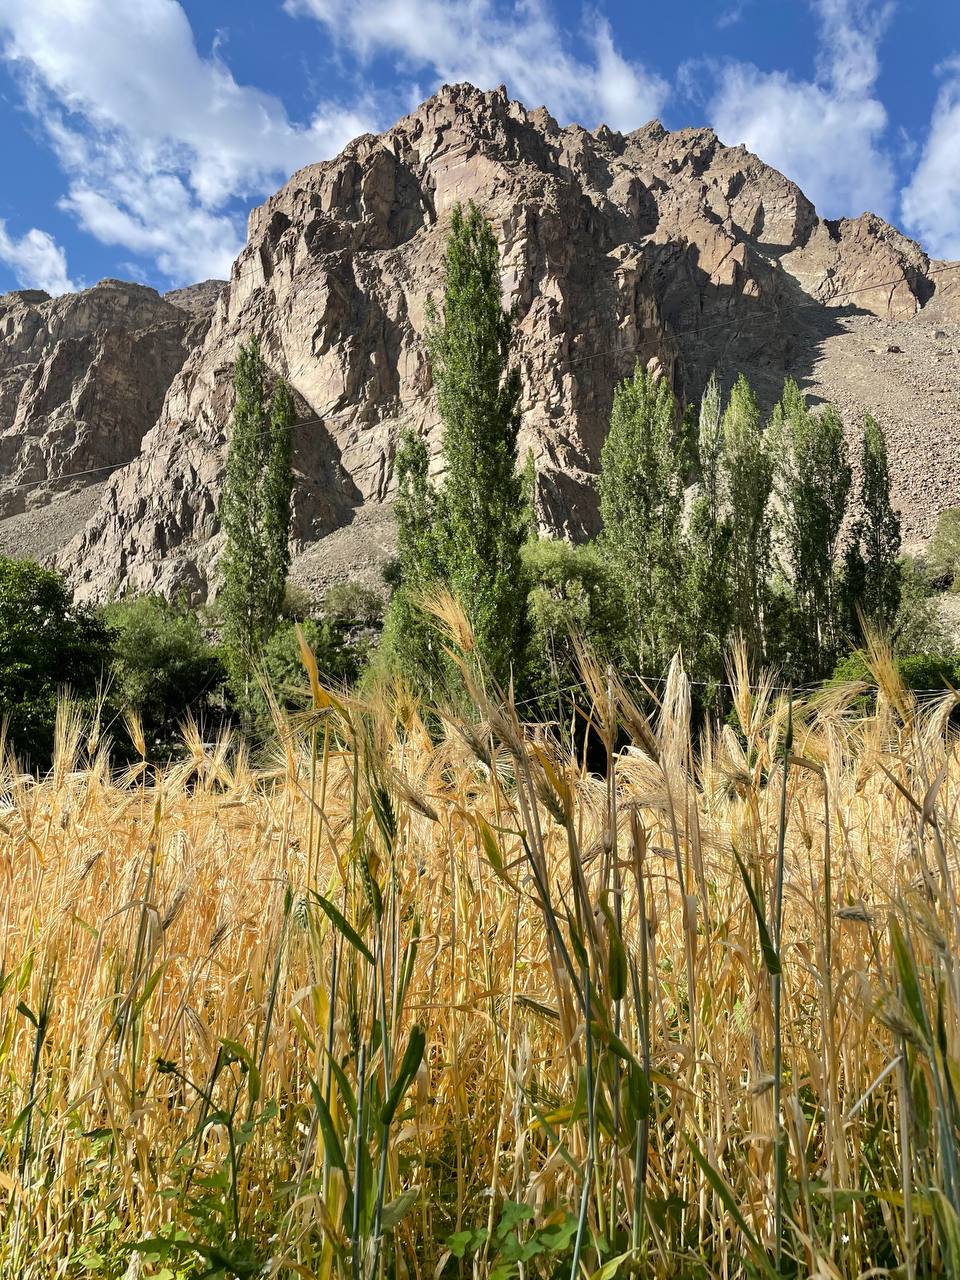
(707, 572)
(874, 576)
(468, 535)
(410, 646)
(48, 645)
(710, 447)
(641, 506)
(747, 470)
(813, 483)
(255, 517)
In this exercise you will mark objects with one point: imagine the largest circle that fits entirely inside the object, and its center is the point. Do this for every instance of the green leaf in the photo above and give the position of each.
(617, 955)
(770, 957)
(459, 1243)
(557, 1237)
(610, 1269)
(345, 928)
(638, 1087)
(725, 1196)
(238, 1052)
(412, 1057)
(149, 988)
(513, 1213)
(22, 1008)
(331, 1142)
(909, 981)
(396, 1210)
(347, 1096)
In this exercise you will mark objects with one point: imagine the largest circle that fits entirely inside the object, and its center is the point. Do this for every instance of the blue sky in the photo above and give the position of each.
(136, 134)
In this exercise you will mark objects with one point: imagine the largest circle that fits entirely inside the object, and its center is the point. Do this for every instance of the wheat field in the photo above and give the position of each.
(426, 995)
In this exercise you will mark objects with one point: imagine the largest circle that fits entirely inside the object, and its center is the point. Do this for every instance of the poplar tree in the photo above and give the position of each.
(468, 534)
(410, 646)
(707, 569)
(641, 506)
(255, 517)
(813, 482)
(710, 447)
(873, 577)
(747, 470)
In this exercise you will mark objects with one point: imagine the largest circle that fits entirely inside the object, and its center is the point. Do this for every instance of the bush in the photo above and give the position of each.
(920, 672)
(943, 554)
(572, 592)
(164, 668)
(919, 626)
(337, 661)
(297, 602)
(351, 603)
(47, 643)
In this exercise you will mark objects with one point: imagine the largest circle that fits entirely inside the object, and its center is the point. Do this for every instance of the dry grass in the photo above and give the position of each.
(172, 979)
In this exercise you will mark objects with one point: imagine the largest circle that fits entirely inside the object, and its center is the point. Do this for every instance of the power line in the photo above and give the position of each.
(695, 332)
(799, 690)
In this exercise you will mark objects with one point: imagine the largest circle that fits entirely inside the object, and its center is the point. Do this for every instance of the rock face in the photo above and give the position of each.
(82, 378)
(650, 245)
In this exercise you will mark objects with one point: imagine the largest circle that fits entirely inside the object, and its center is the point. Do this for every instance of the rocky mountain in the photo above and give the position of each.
(82, 379)
(650, 245)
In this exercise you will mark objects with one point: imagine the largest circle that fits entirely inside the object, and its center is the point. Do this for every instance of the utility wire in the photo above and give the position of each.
(694, 333)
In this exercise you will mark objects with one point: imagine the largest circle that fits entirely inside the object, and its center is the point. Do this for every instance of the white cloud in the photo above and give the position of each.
(36, 260)
(487, 43)
(931, 200)
(729, 17)
(827, 134)
(155, 138)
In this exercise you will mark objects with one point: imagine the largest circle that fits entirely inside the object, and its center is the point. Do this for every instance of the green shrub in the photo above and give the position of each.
(943, 554)
(921, 672)
(297, 602)
(47, 644)
(337, 661)
(919, 626)
(352, 603)
(572, 592)
(163, 667)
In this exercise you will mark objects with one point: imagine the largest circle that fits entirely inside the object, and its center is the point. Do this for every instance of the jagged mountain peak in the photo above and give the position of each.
(657, 245)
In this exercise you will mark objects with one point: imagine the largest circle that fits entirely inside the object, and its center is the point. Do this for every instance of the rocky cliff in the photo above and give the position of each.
(82, 379)
(650, 245)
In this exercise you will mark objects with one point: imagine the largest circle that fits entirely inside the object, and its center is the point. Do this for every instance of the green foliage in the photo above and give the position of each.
(47, 644)
(298, 601)
(352, 603)
(873, 575)
(220, 1243)
(255, 516)
(530, 496)
(571, 593)
(338, 662)
(921, 672)
(813, 483)
(708, 565)
(919, 626)
(517, 1245)
(409, 646)
(747, 468)
(943, 554)
(641, 506)
(707, 590)
(467, 535)
(163, 667)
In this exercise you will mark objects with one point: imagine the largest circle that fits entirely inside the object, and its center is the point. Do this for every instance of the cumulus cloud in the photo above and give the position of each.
(826, 133)
(36, 260)
(487, 43)
(156, 139)
(931, 200)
